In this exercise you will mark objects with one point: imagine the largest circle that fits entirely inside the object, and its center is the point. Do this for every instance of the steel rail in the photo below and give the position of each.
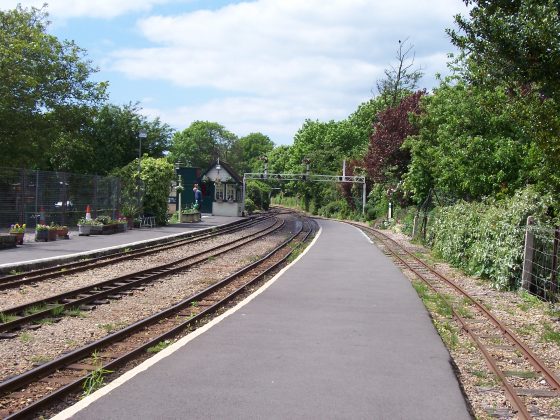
(85, 351)
(16, 280)
(118, 284)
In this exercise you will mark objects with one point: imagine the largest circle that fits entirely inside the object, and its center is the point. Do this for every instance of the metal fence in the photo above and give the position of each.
(28, 196)
(540, 263)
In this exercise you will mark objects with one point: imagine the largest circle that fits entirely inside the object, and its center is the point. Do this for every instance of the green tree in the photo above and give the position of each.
(203, 142)
(470, 145)
(252, 147)
(516, 43)
(45, 88)
(110, 141)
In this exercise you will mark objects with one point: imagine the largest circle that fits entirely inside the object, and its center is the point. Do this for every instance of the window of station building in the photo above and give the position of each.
(230, 192)
(219, 192)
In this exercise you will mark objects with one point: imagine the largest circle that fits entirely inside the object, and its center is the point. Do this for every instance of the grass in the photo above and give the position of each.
(34, 309)
(194, 304)
(529, 301)
(40, 359)
(448, 333)
(75, 312)
(15, 272)
(25, 337)
(527, 329)
(550, 335)
(159, 346)
(58, 310)
(94, 381)
(7, 318)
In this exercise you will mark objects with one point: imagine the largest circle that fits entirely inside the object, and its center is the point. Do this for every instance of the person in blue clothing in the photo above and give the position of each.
(197, 196)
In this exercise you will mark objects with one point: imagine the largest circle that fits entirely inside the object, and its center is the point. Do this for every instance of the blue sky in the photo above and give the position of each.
(254, 66)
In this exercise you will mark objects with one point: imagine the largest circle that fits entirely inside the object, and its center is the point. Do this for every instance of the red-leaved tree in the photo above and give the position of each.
(392, 127)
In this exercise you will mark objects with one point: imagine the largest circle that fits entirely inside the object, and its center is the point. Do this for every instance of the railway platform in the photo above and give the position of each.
(33, 253)
(339, 334)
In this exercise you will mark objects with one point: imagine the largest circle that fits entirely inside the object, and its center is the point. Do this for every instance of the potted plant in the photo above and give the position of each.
(122, 225)
(52, 232)
(130, 211)
(85, 225)
(61, 231)
(190, 215)
(41, 233)
(18, 231)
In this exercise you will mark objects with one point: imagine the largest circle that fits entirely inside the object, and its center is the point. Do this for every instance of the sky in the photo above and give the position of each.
(253, 66)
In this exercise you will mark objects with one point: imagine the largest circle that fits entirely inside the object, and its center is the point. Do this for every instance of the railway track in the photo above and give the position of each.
(86, 298)
(526, 380)
(25, 395)
(40, 274)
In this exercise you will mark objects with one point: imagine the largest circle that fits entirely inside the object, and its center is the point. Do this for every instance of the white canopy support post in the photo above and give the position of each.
(243, 197)
(364, 198)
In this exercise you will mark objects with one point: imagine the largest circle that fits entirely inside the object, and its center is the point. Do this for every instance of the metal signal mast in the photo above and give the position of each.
(306, 177)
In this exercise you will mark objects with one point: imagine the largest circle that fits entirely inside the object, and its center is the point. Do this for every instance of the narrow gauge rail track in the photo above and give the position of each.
(525, 389)
(34, 276)
(48, 384)
(104, 291)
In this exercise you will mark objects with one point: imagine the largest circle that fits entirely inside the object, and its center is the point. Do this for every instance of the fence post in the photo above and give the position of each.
(528, 255)
(415, 226)
(554, 272)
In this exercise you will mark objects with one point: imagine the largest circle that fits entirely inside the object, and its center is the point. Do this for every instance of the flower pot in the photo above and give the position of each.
(84, 230)
(52, 235)
(96, 229)
(41, 235)
(19, 237)
(62, 233)
(190, 217)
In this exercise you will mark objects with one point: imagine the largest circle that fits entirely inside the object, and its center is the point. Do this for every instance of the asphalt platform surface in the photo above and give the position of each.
(341, 334)
(77, 246)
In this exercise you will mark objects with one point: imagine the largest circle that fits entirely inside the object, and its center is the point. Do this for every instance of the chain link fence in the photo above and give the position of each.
(540, 263)
(31, 197)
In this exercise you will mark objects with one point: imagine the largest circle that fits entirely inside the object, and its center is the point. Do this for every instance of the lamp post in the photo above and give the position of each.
(142, 134)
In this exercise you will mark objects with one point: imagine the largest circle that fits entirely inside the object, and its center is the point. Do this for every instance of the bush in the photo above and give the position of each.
(259, 193)
(249, 206)
(487, 238)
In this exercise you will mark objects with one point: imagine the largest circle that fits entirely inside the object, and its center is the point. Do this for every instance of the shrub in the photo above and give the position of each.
(249, 206)
(487, 238)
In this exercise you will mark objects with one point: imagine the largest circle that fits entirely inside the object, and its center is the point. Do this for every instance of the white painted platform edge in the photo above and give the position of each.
(80, 405)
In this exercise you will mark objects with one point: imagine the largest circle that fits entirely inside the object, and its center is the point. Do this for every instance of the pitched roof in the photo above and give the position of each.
(228, 168)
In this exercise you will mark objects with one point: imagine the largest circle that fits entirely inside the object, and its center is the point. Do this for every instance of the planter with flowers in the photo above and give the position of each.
(41, 233)
(18, 231)
(61, 231)
(190, 215)
(85, 226)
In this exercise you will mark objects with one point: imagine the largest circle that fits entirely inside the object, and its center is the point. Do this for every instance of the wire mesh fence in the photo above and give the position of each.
(31, 197)
(540, 265)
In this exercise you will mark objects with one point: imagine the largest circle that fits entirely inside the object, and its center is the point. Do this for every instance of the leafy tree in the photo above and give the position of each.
(385, 159)
(516, 43)
(203, 142)
(252, 147)
(45, 87)
(470, 145)
(110, 141)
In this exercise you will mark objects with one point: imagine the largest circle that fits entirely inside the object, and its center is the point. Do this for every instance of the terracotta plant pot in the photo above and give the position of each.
(19, 237)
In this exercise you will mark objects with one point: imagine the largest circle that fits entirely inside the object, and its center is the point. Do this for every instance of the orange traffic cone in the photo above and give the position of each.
(88, 213)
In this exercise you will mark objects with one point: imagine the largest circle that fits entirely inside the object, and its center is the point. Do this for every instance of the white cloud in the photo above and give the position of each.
(106, 9)
(289, 60)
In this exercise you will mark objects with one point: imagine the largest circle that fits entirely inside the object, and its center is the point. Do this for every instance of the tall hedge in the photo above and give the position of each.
(487, 238)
